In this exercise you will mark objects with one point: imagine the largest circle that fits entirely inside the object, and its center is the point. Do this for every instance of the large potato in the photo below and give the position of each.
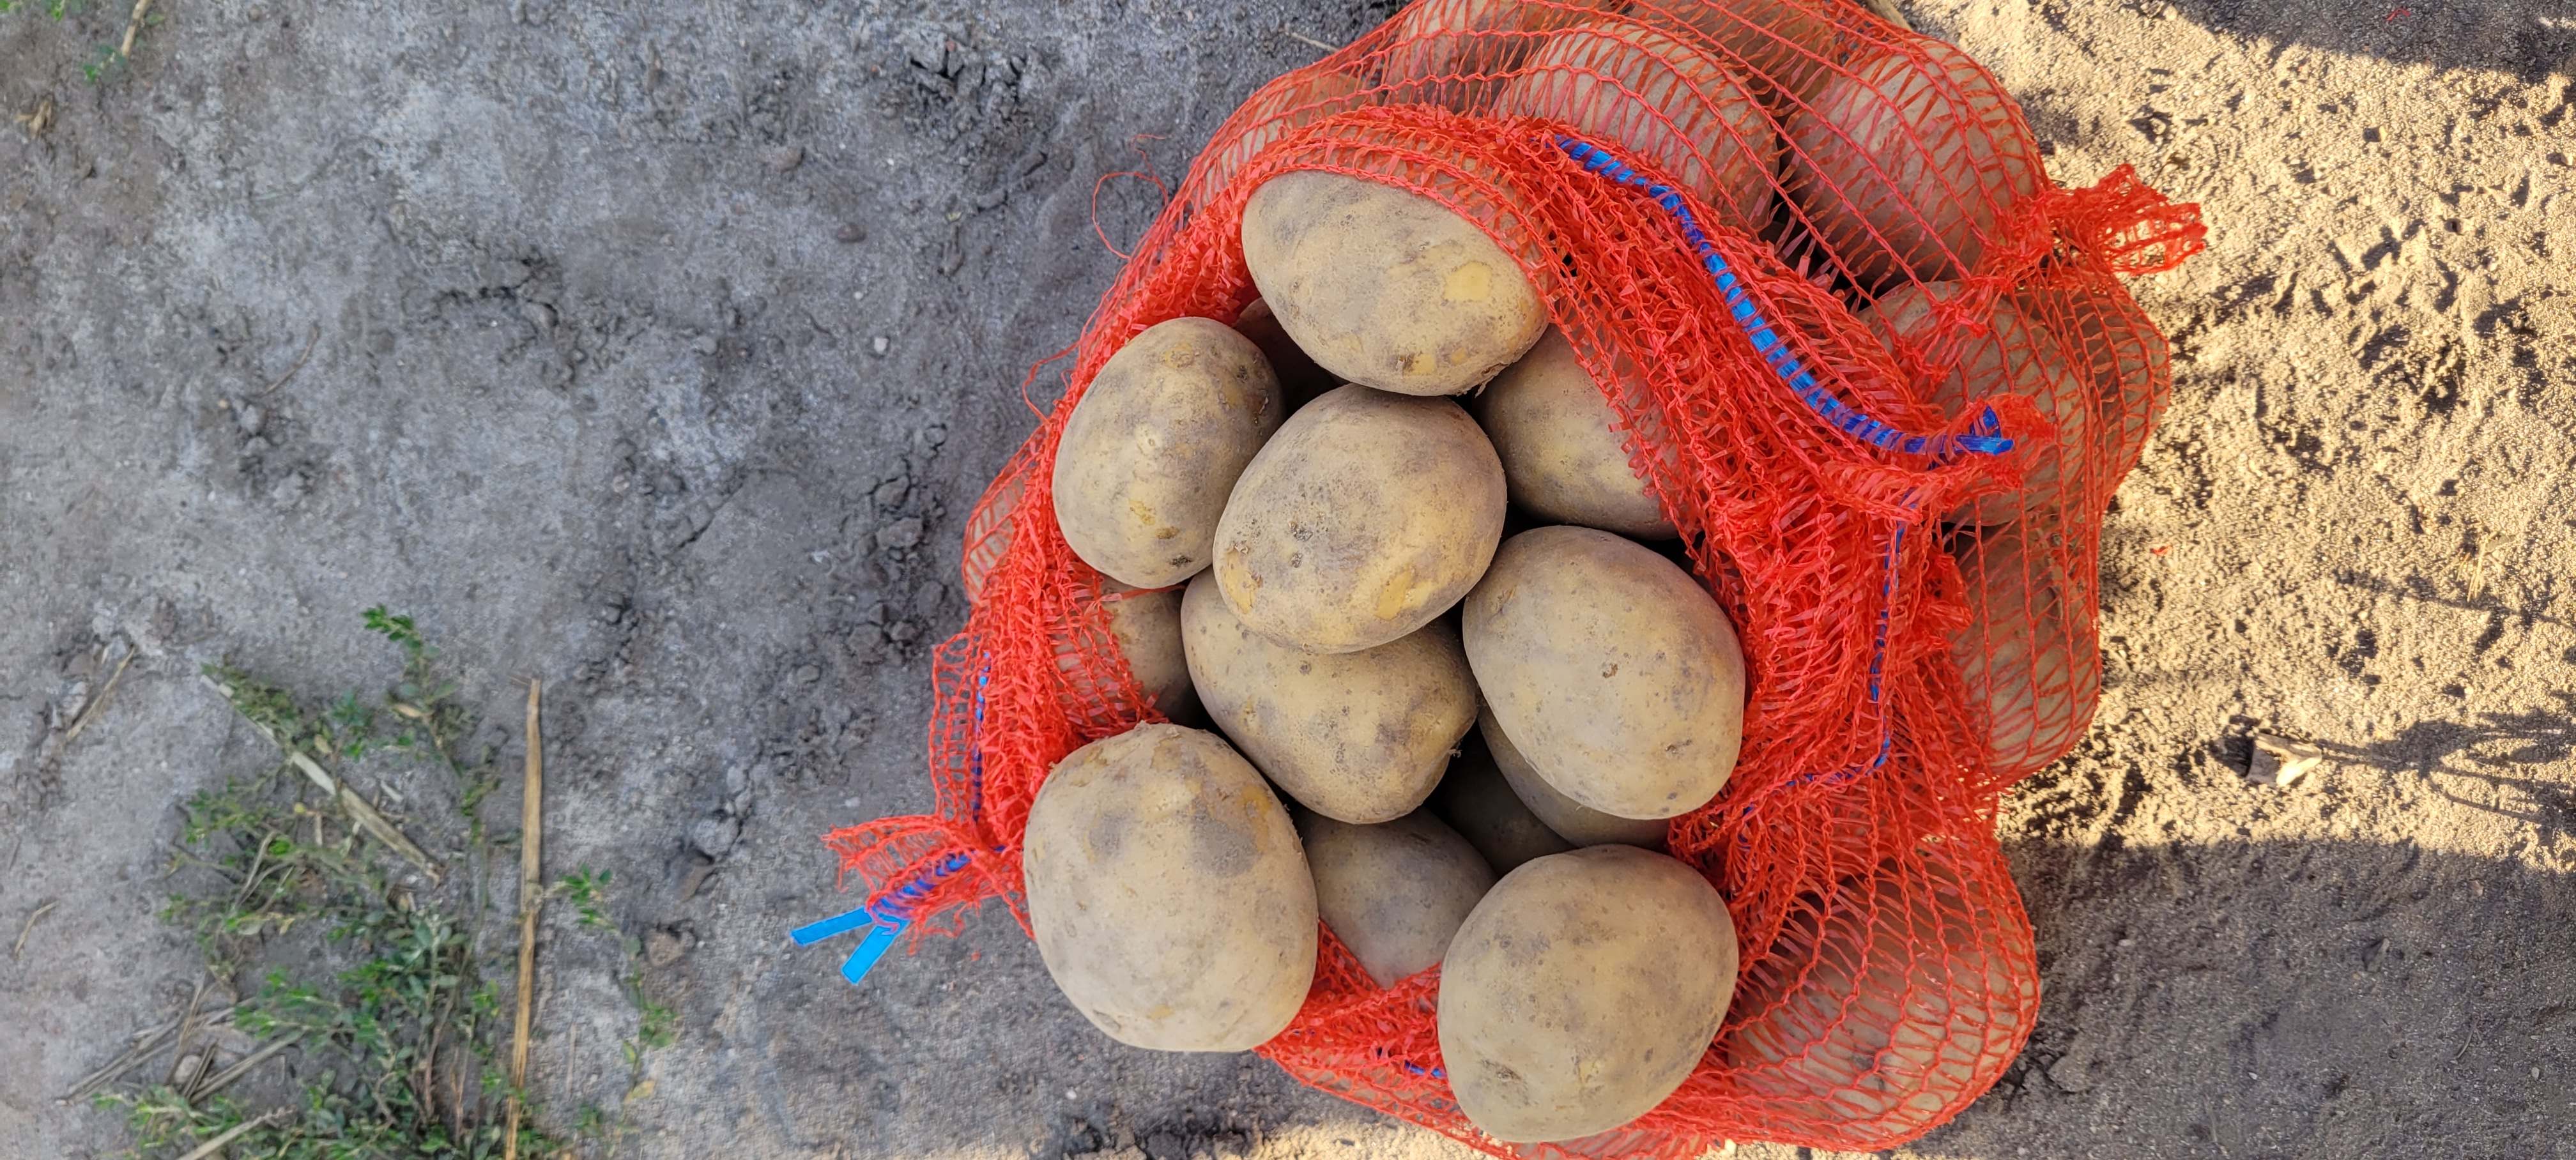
(1147, 627)
(1168, 894)
(1582, 991)
(2031, 659)
(1368, 515)
(1879, 1005)
(2120, 353)
(1562, 452)
(1394, 893)
(1785, 49)
(1358, 736)
(1568, 818)
(1147, 456)
(1457, 53)
(1385, 287)
(1905, 167)
(1476, 801)
(1613, 672)
(2011, 358)
(1654, 100)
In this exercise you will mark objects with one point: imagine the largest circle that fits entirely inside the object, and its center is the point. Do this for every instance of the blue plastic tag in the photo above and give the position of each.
(883, 930)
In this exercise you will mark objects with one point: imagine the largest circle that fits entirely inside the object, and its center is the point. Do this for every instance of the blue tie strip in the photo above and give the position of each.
(1985, 435)
(886, 920)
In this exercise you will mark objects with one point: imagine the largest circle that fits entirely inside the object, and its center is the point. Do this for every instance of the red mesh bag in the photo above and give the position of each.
(1881, 374)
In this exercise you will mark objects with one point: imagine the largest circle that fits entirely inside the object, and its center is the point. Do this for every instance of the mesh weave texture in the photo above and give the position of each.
(1917, 618)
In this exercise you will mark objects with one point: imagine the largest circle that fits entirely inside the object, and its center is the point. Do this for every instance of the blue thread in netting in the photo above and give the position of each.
(1985, 435)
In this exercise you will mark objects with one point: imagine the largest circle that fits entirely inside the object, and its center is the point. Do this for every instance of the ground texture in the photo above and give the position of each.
(659, 353)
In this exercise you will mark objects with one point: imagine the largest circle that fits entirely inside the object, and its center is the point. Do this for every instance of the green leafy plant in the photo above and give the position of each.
(386, 981)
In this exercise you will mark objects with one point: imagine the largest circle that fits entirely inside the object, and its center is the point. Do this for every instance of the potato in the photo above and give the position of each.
(1561, 450)
(1146, 458)
(1169, 897)
(1393, 892)
(2118, 351)
(1876, 1014)
(1458, 53)
(1477, 802)
(1610, 668)
(1568, 818)
(1905, 167)
(1357, 736)
(2031, 659)
(1368, 515)
(1385, 287)
(1784, 49)
(1147, 626)
(1655, 101)
(1299, 378)
(1582, 991)
(2012, 357)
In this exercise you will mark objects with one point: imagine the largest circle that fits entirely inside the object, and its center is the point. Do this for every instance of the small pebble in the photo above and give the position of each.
(851, 234)
(714, 836)
(879, 346)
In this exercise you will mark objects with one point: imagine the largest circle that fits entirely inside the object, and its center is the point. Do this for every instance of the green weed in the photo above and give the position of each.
(392, 989)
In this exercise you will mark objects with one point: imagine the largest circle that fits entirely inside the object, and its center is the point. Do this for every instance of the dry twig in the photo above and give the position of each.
(97, 704)
(147, 1043)
(531, 896)
(309, 344)
(133, 27)
(210, 1147)
(42, 119)
(23, 931)
(225, 1077)
(364, 816)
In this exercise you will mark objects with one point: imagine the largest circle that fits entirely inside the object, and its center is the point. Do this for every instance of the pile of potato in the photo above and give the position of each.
(1453, 695)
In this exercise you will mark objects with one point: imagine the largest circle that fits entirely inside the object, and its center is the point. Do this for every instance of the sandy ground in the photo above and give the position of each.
(659, 352)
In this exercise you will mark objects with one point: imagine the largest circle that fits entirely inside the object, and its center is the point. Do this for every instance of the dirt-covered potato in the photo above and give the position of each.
(2030, 656)
(1562, 453)
(1385, 287)
(1612, 670)
(1395, 892)
(1147, 625)
(1476, 801)
(1169, 896)
(1299, 378)
(1906, 167)
(2011, 358)
(1357, 736)
(1657, 101)
(1366, 516)
(1568, 818)
(1582, 991)
(1147, 456)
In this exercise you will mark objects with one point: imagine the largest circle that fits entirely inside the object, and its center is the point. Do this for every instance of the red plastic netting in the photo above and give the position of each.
(1917, 617)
